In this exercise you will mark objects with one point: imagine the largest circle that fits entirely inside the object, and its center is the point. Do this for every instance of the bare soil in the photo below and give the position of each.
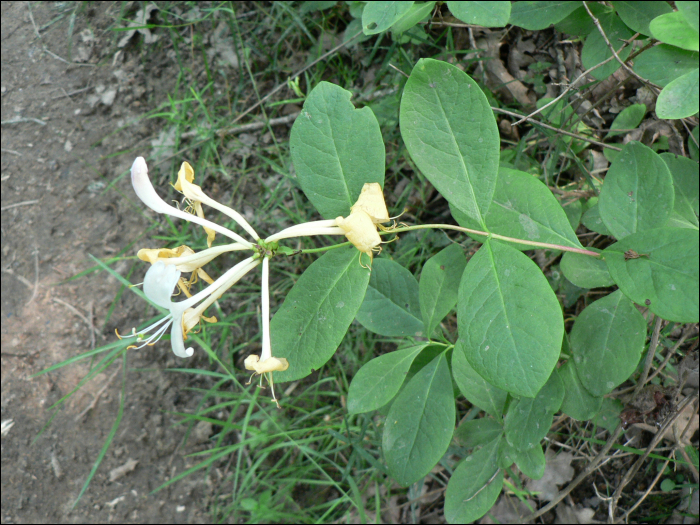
(71, 128)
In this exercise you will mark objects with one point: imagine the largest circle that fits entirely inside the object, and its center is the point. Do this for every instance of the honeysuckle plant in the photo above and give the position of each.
(510, 355)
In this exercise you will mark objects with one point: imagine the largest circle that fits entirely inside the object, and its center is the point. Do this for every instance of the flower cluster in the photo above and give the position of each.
(168, 265)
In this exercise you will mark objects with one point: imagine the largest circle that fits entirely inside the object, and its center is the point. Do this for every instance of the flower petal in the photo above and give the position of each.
(159, 283)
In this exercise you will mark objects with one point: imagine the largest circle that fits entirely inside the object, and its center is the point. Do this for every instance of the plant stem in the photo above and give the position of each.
(494, 236)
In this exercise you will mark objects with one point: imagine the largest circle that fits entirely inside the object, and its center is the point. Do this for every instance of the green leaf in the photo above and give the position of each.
(531, 462)
(628, 119)
(475, 388)
(376, 383)
(380, 16)
(486, 14)
(664, 277)
(637, 194)
(680, 98)
(606, 342)
(573, 211)
(578, 403)
(420, 423)
(336, 149)
(317, 312)
(478, 432)
(690, 13)
(439, 283)
(539, 15)
(474, 486)
(528, 419)
(524, 208)
(579, 22)
(685, 179)
(451, 135)
(674, 29)
(391, 304)
(637, 15)
(609, 415)
(595, 49)
(417, 13)
(585, 271)
(591, 219)
(663, 64)
(510, 321)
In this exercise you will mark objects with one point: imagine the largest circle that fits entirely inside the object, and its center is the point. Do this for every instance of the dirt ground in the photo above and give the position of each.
(62, 151)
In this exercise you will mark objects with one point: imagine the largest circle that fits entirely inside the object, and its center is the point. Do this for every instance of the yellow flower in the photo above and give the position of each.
(366, 215)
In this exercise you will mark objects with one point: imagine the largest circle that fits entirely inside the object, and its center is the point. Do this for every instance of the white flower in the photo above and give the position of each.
(158, 285)
(144, 190)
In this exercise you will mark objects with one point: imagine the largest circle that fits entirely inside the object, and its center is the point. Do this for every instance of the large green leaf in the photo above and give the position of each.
(689, 9)
(606, 342)
(528, 419)
(585, 271)
(451, 135)
(414, 15)
(637, 15)
(680, 98)
(665, 275)
(539, 15)
(478, 432)
(475, 388)
(524, 208)
(420, 423)
(509, 319)
(531, 462)
(376, 383)
(336, 149)
(578, 402)
(317, 312)
(685, 179)
(439, 283)
(380, 16)
(628, 119)
(663, 64)
(487, 14)
(595, 49)
(674, 28)
(638, 191)
(391, 305)
(474, 485)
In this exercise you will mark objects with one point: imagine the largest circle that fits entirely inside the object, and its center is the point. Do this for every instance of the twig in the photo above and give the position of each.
(18, 204)
(558, 130)
(36, 275)
(97, 396)
(251, 126)
(23, 119)
(658, 437)
(651, 352)
(79, 314)
(617, 57)
(71, 93)
(11, 151)
(624, 517)
(570, 86)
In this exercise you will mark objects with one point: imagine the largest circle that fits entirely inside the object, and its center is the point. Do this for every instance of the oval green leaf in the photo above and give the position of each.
(665, 274)
(486, 14)
(680, 98)
(578, 402)
(474, 485)
(638, 15)
(439, 282)
(524, 208)
(336, 149)
(475, 388)
(391, 306)
(628, 119)
(420, 423)
(376, 383)
(317, 312)
(585, 271)
(451, 134)
(674, 28)
(380, 16)
(663, 64)
(637, 193)
(595, 49)
(509, 319)
(539, 15)
(606, 341)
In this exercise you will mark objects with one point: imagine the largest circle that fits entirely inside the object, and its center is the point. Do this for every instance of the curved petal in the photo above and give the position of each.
(177, 341)
(159, 283)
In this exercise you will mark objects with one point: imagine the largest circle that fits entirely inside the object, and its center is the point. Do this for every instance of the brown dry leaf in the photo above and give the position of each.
(557, 472)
